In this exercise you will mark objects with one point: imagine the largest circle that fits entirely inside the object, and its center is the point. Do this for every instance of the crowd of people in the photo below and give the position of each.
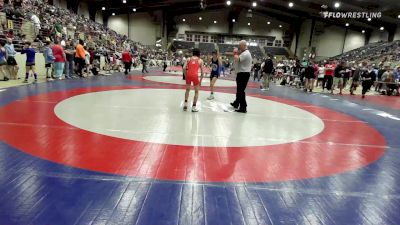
(332, 75)
(68, 41)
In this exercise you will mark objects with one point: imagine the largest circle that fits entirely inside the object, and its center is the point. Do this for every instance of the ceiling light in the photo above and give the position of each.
(134, 9)
(363, 31)
(124, 1)
(228, 2)
(200, 18)
(337, 4)
(248, 24)
(254, 4)
(347, 24)
(268, 23)
(113, 14)
(183, 19)
(291, 4)
(369, 19)
(398, 16)
(103, 8)
(233, 20)
(215, 21)
(280, 26)
(382, 28)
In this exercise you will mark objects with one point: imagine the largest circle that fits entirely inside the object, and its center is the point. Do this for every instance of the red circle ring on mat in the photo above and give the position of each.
(345, 144)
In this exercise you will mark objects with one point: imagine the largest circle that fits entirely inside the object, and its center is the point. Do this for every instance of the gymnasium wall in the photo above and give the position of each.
(99, 17)
(397, 34)
(60, 3)
(378, 35)
(258, 26)
(354, 39)
(330, 41)
(83, 9)
(193, 23)
(258, 23)
(145, 28)
(304, 38)
(141, 27)
(119, 23)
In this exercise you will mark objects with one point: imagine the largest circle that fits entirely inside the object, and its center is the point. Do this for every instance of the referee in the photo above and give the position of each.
(243, 61)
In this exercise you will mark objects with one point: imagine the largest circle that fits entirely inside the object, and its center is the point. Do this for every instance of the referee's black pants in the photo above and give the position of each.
(241, 83)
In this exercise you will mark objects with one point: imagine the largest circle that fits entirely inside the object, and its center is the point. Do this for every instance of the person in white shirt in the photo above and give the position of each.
(87, 61)
(244, 63)
(36, 24)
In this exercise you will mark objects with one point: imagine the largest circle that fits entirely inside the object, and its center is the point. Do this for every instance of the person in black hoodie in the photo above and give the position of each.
(356, 77)
(267, 72)
(143, 58)
(338, 77)
(309, 75)
(367, 79)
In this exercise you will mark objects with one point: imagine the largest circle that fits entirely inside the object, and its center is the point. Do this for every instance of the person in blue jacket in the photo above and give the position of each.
(30, 61)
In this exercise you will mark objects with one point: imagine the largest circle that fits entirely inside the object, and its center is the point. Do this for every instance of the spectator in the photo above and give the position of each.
(144, 59)
(87, 60)
(12, 65)
(328, 78)
(10, 34)
(338, 77)
(95, 67)
(309, 75)
(3, 61)
(127, 60)
(30, 61)
(36, 23)
(267, 72)
(60, 59)
(48, 60)
(69, 62)
(80, 57)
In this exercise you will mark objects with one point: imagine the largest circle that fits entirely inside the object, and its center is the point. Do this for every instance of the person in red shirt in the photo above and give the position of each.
(192, 67)
(328, 78)
(127, 60)
(59, 61)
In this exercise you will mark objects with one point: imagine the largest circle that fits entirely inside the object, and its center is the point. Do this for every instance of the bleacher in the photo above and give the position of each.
(186, 45)
(206, 48)
(256, 52)
(276, 51)
(372, 52)
(224, 48)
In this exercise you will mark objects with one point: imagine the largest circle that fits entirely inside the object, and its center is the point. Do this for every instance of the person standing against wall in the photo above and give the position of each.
(244, 61)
